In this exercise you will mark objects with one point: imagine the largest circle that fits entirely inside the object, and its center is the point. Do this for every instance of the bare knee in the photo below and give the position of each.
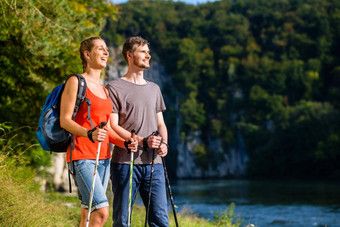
(101, 215)
(104, 212)
(98, 217)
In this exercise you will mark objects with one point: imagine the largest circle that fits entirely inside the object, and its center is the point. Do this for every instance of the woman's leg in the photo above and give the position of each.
(84, 170)
(98, 217)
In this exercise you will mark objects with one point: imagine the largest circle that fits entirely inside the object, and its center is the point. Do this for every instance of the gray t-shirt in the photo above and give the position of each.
(137, 107)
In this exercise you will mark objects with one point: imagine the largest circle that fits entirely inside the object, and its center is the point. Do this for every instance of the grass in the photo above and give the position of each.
(185, 218)
(22, 204)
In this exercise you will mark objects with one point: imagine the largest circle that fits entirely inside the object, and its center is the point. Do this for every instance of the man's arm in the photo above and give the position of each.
(163, 148)
(162, 127)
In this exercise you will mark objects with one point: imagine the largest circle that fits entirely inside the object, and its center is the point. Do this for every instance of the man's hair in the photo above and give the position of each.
(131, 45)
(86, 45)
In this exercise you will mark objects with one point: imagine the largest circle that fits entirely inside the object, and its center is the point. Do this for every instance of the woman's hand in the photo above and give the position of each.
(133, 145)
(99, 134)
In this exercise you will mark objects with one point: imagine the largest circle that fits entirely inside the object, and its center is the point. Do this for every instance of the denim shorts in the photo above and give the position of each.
(84, 172)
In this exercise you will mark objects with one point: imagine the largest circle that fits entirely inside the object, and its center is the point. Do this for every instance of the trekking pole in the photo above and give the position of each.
(152, 166)
(94, 178)
(169, 189)
(130, 186)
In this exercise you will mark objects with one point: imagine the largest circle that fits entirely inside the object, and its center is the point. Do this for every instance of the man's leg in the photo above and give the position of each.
(158, 215)
(120, 189)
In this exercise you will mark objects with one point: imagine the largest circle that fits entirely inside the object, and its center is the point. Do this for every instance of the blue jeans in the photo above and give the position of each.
(84, 170)
(158, 214)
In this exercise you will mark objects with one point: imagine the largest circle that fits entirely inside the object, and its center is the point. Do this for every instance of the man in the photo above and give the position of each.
(138, 105)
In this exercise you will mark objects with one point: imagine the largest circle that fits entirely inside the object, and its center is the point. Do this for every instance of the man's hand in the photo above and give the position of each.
(154, 141)
(162, 150)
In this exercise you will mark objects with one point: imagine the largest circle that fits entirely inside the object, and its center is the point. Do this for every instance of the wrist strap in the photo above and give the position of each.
(126, 144)
(145, 143)
(167, 145)
(89, 134)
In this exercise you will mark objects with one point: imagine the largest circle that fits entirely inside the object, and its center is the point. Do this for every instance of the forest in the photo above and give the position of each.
(269, 70)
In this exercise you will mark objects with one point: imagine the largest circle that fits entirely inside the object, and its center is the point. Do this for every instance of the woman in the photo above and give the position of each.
(94, 55)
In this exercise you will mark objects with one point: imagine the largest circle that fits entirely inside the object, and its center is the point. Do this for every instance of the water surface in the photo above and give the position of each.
(263, 203)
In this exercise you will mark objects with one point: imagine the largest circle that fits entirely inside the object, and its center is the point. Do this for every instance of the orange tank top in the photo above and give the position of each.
(100, 112)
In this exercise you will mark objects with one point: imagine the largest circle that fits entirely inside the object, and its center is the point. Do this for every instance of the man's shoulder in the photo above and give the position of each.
(152, 84)
(113, 82)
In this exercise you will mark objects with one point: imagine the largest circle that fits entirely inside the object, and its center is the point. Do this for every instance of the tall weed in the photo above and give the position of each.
(21, 203)
(227, 217)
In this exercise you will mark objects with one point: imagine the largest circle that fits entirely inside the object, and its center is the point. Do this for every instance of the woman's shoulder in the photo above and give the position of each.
(71, 83)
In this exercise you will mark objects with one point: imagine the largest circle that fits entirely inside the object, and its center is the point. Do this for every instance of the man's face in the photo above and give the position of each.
(141, 57)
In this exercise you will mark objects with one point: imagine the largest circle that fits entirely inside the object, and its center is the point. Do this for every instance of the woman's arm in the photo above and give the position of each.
(114, 117)
(67, 103)
(118, 134)
(114, 137)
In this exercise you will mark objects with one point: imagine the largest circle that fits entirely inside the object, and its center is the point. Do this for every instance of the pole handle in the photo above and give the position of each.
(102, 124)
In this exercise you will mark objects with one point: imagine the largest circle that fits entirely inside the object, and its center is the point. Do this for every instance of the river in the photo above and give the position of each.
(262, 202)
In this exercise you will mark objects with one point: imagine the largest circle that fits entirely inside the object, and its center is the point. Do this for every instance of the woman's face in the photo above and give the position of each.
(98, 56)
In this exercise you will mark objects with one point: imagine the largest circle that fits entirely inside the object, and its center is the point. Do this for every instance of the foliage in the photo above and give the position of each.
(39, 41)
(267, 69)
(200, 153)
(304, 143)
(21, 203)
(227, 217)
(19, 148)
(257, 67)
(193, 113)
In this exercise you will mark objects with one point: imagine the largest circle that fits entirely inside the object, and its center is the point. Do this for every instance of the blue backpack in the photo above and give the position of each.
(50, 135)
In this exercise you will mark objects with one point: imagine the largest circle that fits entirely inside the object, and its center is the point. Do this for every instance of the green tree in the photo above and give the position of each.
(38, 44)
(193, 113)
(249, 66)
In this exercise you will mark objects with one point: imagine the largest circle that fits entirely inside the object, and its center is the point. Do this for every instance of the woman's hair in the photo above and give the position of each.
(86, 45)
(131, 45)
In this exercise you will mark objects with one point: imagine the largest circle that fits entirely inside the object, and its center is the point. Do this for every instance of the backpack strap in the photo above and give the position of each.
(81, 97)
(88, 101)
(81, 93)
